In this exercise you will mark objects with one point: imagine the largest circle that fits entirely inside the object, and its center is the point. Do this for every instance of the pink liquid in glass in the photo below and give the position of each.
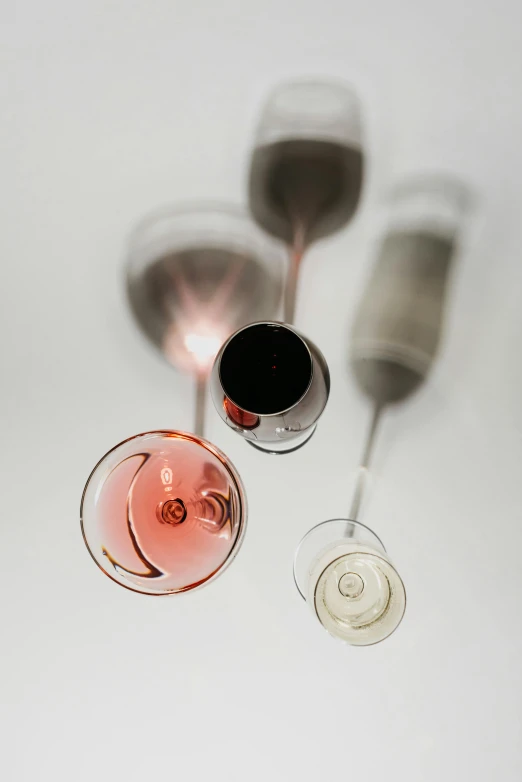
(163, 512)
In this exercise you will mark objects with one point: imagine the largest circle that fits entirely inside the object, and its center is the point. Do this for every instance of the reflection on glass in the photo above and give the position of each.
(163, 512)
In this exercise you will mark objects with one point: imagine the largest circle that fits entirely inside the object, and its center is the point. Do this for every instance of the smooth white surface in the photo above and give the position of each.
(112, 108)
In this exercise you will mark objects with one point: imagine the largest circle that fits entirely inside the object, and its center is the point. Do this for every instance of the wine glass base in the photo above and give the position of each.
(288, 446)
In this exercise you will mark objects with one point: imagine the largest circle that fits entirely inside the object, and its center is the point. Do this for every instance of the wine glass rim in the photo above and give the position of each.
(322, 524)
(446, 184)
(336, 84)
(267, 323)
(345, 520)
(194, 208)
(241, 230)
(236, 478)
(314, 108)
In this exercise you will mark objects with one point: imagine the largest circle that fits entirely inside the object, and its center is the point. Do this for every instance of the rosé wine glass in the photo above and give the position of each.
(163, 512)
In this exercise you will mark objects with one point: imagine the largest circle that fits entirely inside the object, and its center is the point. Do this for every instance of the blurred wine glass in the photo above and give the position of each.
(194, 275)
(163, 512)
(306, 170)
(400, 319)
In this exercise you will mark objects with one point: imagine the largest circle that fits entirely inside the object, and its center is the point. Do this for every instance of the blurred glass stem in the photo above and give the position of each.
(200, 403)
(363, 471)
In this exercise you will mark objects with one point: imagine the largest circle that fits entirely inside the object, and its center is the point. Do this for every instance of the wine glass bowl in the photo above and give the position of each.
(270, 385)
(197, 273)
(343, 572)
(400, 319)
(163, 512)
(307, 164)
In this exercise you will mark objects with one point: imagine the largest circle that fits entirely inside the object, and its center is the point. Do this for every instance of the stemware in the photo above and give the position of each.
(194, 275)
(270, 385)
(343, 572)
(401, 317)
(341, 567)
(306, 169)
(163, 512)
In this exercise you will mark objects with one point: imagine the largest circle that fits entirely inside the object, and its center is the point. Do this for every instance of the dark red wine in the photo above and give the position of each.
(265, 369)
(313, 182)
(242, 418)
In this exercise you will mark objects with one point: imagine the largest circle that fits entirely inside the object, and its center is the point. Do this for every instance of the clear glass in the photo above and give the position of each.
(194, 275)
(306, 170)
(270, 385)
(163, 512)
(343, 572)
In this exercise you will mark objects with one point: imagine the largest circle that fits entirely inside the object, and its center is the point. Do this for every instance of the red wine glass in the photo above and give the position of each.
(270, 385)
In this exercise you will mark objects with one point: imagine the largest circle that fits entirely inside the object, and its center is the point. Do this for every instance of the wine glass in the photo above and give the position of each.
(194, 275)
(343, 572)
(306, 170)
(399, 322)
(341, 566)
(163, 512)
(270, 385)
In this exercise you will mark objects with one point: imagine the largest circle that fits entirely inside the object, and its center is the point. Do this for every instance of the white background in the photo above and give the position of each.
(111, 108)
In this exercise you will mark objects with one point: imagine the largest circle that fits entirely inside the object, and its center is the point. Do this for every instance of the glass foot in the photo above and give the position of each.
(286, 446)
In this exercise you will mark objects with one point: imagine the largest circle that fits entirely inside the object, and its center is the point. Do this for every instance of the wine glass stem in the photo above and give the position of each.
(363, 472)
(201, 398)
(296, 252)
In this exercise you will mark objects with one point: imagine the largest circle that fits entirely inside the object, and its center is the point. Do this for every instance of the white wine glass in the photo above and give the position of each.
(342, 570)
